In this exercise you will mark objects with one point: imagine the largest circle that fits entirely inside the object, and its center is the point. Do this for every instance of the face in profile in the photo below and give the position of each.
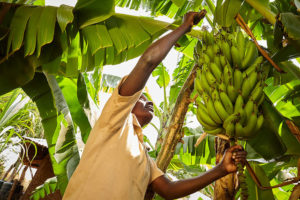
(143, 110)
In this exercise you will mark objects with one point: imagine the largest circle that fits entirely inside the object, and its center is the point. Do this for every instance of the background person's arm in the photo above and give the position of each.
(155, 54)
(176, 189)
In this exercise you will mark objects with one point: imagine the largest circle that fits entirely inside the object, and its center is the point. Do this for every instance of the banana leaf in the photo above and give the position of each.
(48, 187)
(69, 88)
(291, 23)
(254, 192)
(16, 71)
(90, 12)
(55, 127)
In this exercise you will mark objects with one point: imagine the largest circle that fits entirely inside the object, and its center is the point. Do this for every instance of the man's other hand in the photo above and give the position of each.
(231, 157)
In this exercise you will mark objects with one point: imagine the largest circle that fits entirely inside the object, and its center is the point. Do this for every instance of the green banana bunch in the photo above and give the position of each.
(230, 83)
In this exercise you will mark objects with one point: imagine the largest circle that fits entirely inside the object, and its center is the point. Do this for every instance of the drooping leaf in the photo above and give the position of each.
(254, 192)
(55, 128)
(92, 11)
(291, 23)
(64, 16)
(16, 71)
(69, 88)
(17, 28)
(47, 188)
(32, 31)
(46, 27)
(228, 9)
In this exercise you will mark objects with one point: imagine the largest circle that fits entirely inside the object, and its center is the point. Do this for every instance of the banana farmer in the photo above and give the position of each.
(115, 163)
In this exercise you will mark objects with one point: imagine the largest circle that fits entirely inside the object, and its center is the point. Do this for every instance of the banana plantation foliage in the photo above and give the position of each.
(238, 76)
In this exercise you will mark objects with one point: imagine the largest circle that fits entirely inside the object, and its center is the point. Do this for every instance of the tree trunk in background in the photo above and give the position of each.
(225, 188)
(173, 133)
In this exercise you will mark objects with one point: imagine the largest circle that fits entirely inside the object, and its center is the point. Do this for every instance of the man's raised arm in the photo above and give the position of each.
(155, 54)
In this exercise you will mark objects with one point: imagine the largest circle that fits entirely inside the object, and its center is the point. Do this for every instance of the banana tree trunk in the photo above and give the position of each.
(225, 188)
(173, 132)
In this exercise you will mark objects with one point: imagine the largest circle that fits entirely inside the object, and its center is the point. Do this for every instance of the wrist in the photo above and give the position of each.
(221, 168)
(187, 27)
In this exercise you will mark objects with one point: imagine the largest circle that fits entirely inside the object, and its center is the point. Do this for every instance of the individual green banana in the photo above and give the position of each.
(217, 61)
(216, 71)
(232, 92)
(210, 52)
(210, 37)
(230, 130)
(241, 44)
(226, 102)
(222, 86)
(205, 97)
(197, 86)
(212, 112)
(249, 108)
(205, 58)
(215, 94)
(239, 103)
(256, 93)
(261, 100)
(259, 123)
(250, 55)
(223, 60)
(233, 118)
(226, 51)
(204, 82)
(235, 57)
(215, 132)
(250, 127)
(239, 130)
(202, 112)
(220, 110)
(253, 67)
(206, 126)
(228, 74)
(237, 79)
(216, 49)
(248, 84)
(210, 78)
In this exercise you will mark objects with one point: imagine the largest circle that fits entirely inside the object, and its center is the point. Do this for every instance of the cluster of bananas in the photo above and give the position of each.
(230, 84)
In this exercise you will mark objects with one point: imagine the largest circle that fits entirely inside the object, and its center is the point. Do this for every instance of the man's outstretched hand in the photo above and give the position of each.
(193, 18)
(232, 156)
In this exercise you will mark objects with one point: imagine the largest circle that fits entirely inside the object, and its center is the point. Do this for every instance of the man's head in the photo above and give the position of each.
(143, 110)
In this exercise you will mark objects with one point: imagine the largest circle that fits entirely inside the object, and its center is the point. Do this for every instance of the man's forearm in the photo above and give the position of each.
(149, 61)
(159, 49)
(185, 187)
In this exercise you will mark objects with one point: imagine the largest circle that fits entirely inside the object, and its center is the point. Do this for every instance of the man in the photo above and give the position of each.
(115, 164)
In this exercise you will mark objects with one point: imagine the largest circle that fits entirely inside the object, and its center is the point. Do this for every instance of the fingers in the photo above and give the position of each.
(239, 156)
(235, 148)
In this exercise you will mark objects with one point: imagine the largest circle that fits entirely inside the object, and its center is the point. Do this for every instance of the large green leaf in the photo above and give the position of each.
(291, 23)
(163, 78)
(17, 28)
(254, 192)
(55, 127)
(277, 125)
(92, 11)
(46, 27)
(16, 71)
(64, 16)
(69, 88)
(32, 31)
